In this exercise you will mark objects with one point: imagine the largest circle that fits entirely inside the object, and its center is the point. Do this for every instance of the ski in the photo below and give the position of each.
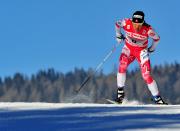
(112, 101)
(132, 103)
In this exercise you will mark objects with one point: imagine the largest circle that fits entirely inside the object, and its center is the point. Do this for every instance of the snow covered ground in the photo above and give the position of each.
(61, 116)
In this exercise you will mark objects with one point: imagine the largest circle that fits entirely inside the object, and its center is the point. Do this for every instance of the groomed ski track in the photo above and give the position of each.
(85, 116)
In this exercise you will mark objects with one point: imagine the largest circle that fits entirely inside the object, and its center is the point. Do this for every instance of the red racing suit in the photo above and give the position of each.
(136, 44)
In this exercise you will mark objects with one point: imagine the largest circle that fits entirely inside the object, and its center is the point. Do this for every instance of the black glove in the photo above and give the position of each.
(150, 51)
(121, 37)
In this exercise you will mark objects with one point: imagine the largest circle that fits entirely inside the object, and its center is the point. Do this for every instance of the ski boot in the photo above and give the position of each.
(159, 101)
(120, 95)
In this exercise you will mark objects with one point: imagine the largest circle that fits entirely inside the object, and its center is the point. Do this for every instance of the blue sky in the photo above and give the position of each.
(64, 34)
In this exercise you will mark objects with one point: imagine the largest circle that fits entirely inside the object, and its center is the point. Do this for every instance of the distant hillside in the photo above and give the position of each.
(52, 86)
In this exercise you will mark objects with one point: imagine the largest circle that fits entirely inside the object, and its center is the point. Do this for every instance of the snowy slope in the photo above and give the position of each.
(56, 117)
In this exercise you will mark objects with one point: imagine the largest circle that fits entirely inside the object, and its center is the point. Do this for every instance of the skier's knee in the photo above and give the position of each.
(146, 72)
(122, 69)
(123, 64)
(148, 78)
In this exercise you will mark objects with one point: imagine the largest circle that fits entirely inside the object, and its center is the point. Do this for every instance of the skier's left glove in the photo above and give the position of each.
(150, 50)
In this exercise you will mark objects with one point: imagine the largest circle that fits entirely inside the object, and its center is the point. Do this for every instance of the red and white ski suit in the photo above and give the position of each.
(136, 44)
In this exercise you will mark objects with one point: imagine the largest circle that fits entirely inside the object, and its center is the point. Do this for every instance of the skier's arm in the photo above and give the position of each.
(152, 34)
(119, 24)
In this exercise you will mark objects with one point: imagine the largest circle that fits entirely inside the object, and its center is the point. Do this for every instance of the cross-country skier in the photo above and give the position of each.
(137, 32)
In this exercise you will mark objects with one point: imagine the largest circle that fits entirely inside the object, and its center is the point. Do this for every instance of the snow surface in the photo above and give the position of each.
(85, 116)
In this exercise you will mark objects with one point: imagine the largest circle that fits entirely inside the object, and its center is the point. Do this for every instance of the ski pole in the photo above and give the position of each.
(98, 67)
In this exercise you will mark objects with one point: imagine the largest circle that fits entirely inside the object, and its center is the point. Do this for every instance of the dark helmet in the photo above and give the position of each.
(138, 17)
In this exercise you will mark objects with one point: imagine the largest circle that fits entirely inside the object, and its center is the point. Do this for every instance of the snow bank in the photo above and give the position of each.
(84, 116)
(40, 105)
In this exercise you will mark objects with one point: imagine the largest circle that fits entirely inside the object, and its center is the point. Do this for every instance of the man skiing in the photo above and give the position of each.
(137, 32)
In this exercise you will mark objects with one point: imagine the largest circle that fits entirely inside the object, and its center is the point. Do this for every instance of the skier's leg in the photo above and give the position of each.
(144, 62)
(146, 74)
(121, 75)
(124, 60)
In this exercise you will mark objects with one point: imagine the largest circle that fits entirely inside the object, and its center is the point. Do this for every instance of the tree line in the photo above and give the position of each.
(53, 86)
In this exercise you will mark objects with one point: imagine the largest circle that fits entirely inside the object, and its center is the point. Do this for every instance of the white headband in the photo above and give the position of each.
(138, 16)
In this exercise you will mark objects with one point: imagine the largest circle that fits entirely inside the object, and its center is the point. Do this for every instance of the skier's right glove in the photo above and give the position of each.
(150, 50)
(120, 37)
